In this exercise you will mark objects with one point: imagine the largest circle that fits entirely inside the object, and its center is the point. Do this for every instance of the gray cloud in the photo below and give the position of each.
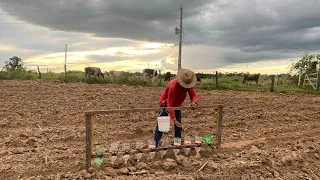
(98, 58)
(232, 31)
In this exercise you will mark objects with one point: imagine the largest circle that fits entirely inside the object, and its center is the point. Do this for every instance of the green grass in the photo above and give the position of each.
(289, 85)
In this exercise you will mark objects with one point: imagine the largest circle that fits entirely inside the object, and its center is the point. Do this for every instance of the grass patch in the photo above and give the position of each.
(286, 85)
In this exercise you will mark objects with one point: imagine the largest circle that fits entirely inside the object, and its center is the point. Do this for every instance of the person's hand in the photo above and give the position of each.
(177, 123)
(194, 105)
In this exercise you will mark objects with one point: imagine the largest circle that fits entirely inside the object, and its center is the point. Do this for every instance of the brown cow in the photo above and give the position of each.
(93, 71)
(251, 77)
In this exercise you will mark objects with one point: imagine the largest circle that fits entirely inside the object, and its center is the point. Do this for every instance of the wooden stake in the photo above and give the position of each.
(202, 166)
(89, 140)
(219, 126)
(272, 82)
(39, 73)
(217, 79)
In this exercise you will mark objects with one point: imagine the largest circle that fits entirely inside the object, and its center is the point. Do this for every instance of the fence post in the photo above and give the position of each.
(160, 76)
(217, 79)
(300, 77)
(272, 82)
(89, 140)
(219, 128)
(39, 73)
(318, 80)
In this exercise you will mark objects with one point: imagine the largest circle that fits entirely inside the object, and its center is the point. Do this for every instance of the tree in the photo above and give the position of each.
(14, 63)
(308, 64)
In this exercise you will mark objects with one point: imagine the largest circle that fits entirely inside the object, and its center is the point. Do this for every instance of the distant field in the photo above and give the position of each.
(284, 84)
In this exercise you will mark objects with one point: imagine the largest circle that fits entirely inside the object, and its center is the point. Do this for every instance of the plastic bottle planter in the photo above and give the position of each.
(139, 146)
(198, 140)
(113, 159)
(164, 144)
(176, 151)
(114, 148)
(151, 155)
(126, 157)
(125, 147)
(152, 144)
(207, 141)
(187, 140)
(99, 152)
(138, 156)
(186, 150)
(177, 141)
(197, 151)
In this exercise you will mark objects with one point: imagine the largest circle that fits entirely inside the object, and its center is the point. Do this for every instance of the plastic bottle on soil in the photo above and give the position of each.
(138, 156)
(126, 157)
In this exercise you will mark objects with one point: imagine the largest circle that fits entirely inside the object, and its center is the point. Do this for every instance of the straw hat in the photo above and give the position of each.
(186, 78)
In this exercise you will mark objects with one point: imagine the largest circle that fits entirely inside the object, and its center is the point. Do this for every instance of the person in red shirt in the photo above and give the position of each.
(173, 96)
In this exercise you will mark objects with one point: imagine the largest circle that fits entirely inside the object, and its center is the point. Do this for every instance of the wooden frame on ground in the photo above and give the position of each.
(89, 127)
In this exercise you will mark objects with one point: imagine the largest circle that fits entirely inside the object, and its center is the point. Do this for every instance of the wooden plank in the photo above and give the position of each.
(219, 124)
(89, 140)
(147, 109)
(133, 152)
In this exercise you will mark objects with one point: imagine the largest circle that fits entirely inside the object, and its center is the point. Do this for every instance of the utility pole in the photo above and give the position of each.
(65, 63)
(179, 31)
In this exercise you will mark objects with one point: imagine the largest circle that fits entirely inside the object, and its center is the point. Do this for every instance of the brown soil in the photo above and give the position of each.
(265, 135)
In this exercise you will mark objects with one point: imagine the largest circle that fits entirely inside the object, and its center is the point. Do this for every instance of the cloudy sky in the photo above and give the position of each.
(225, 35)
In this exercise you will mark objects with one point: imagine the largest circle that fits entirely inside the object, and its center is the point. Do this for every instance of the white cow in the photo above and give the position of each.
(116, 73)
(150, 73)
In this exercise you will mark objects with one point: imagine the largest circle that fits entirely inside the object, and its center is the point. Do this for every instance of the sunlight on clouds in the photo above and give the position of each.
(262, 67)
(157, 45)
(79, 59)
(7, 47)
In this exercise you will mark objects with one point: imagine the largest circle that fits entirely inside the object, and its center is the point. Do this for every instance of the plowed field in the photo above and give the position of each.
(265, 135)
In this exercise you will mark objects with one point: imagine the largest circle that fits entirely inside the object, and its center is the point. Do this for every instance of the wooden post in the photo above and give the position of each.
(217, 79)
(160, 76)
(318, 80)
(300, 77)
(65, 63)
(89, 140)
(272, 82)
(278, 79)
(39, 73)
(219, 128)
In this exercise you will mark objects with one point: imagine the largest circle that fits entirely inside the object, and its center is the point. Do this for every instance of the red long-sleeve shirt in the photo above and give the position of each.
(174, 95)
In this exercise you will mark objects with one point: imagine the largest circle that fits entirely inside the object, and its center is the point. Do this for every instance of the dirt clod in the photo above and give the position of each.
(124, 171)
(212, 165)
(276, 174)
(169, 164)
(91, 170)
(132, 169)
(141, 165)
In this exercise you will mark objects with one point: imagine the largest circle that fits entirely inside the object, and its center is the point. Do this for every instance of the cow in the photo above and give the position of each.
(150, 72)
(198, 79)
(116, 73)
(168, 76)
(93, 71)
(251, 77)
